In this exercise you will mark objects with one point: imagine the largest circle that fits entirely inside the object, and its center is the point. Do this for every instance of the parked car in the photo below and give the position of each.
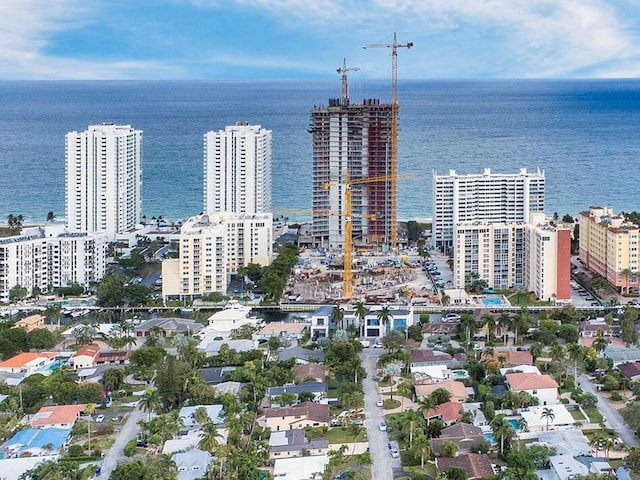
(100, 419)
(394, 452)
(379, 403)
(382, 426)
(377, 343)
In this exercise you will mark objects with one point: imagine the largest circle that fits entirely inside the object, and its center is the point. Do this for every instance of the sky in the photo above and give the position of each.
(308, 39)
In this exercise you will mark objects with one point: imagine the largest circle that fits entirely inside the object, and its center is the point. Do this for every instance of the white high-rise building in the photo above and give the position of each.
(486, 197)
(50, 257)
(214, 246)
(237, 169)
(104, 179)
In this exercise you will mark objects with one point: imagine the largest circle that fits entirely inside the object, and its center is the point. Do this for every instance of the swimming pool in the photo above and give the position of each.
(492, 301)
(513, 422)
(460, 374)
(55, 365)
(489, 437)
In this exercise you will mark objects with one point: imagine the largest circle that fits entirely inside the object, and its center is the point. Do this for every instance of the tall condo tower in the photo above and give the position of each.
(486, 197)
(104, 179)
(237, 169)
(353, 139)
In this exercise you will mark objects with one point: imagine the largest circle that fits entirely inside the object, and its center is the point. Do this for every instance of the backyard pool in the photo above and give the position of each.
(489, 437)
(513, 422)
(55, 365)
(460, 374)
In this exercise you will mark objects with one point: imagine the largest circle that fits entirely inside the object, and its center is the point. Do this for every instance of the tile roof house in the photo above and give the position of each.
(293, 443)
(60, 416)
(286, 330)
(541, 386)
(308, 371)
(456, 389)
(307, 414)
(465, 436)
(30, 323)
(113, 357)
(476, 465)
(85, 356)
(511, 357)
(448, 412)
(27, 362)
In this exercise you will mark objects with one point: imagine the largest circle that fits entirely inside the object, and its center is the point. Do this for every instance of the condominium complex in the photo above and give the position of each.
(487, 197)
(50, 257)
(609, 247)
(352, 140)
(237, 169)
(214, 246)
(533, 256)
(104, 179)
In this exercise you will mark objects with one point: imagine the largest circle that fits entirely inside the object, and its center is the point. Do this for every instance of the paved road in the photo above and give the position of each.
(383, 463)
(614, 420)
(128, 431)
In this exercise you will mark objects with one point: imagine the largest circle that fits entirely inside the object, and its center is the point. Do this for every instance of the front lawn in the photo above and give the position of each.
(389, 404)
(594, 415)
(429, 469)
(341, 435)
(576, 414)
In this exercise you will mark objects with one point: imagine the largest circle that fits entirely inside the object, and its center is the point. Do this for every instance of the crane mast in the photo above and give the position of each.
(393, 154)
(345, 87)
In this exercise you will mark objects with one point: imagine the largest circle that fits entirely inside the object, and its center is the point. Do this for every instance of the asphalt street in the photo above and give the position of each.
(383, 464)
(128, 431)
(614, 420)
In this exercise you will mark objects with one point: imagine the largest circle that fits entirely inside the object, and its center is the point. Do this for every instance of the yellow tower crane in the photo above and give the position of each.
(393, 160)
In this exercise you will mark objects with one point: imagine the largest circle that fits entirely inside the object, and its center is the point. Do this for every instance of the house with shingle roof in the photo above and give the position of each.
(427, 357)
(168, 326)
(465, 436)
(308, 371)
(541, 386)
(317, 389)
(293, 443)
(301, 355)
(476, 465)
(630, 370)
(307, 414)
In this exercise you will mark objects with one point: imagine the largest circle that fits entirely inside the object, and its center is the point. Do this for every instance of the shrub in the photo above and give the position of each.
(75, 451)
(616, 397)
(130, 448)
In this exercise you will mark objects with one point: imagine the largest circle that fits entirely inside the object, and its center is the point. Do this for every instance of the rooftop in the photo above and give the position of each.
(422, 356)
(279, 328)
(24, 358)
(475, 464)
(457, 389)
(56, 415)
(313, 411)
(530, 381)
(449, 411)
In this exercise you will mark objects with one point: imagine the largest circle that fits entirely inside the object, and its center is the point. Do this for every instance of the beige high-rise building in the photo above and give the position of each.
(212, 247)
(609, 247)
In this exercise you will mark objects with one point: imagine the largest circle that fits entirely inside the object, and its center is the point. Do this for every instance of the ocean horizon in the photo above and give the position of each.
(582, 133)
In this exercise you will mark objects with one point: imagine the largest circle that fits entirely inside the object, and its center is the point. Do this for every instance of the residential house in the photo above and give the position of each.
(570, 442)
(302, 355)
(167, 326)
(28, 363)
(619, 354)
(597, 327)
(293, 443)
(477, 465)
(479, 420)
(465, 436)
(85, 357)
(307, 414)
(541, 386)
(192, 464)
(35, 442)
(321, 323)
(310, 371)
(300, 468)
(426, 357)
(30, 323)
(228, 320)
(431, 373)
(448, 412)
(511, 357)
(537, 422)
(58, 416)
(566, 467)
(211, 347)
(215, 375)
(214, 412)
(113, 357)
(14, 468)
(317, 389)
(400, 319)
(630, 370)
(286, 330)
(429, 329)
(457, 390)
(520, 369)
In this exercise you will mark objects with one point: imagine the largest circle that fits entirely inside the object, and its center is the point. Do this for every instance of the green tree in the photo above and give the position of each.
(448, 449)
(548, 415)
(632, 460)
(17, 294)
(361, 311)
(384, 315)
(210, 437)
(394, 341)
(337, 316)
(89, 410)
(150, 401)
(51, 216)
(456, 473)
(502, 430)
(113, 379)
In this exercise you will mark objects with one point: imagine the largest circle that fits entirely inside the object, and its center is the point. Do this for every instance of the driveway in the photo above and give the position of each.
(613, 418)
(128, 431)
(383, 464)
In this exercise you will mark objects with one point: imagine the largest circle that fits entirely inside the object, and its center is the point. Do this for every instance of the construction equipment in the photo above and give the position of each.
(345, 88)
(347, 183)
(393, 161)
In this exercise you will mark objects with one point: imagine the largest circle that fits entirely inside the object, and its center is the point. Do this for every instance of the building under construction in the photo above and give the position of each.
(352, 143)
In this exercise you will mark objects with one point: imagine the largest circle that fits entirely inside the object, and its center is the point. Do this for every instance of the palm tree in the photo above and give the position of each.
(53, 313)
(557, 352)
(209, 437)
(600, 344)
(547, 413)
(337, 315)
(150, 401)
(89, 410)
(502, 430)
(405, 388)
(536, 350)
(200, 415)
(576, 354)
(504, 320)
(468, 325)
(490, 321)
(361, 311)
(383, 317)
(427, 403)
(421, 445)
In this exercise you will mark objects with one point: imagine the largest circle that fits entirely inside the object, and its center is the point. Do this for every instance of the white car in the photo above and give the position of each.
(382, 426)
(395, 453)
(100, 419)
(379, 403)
(377, 344)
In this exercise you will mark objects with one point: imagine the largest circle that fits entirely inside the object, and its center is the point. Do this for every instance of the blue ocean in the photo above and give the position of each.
(584, 134)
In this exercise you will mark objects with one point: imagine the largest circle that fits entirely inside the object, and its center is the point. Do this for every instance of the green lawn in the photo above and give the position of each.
(594, 415)
(389, 404)
(341, 435)
(429, 469)
(577, 414)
